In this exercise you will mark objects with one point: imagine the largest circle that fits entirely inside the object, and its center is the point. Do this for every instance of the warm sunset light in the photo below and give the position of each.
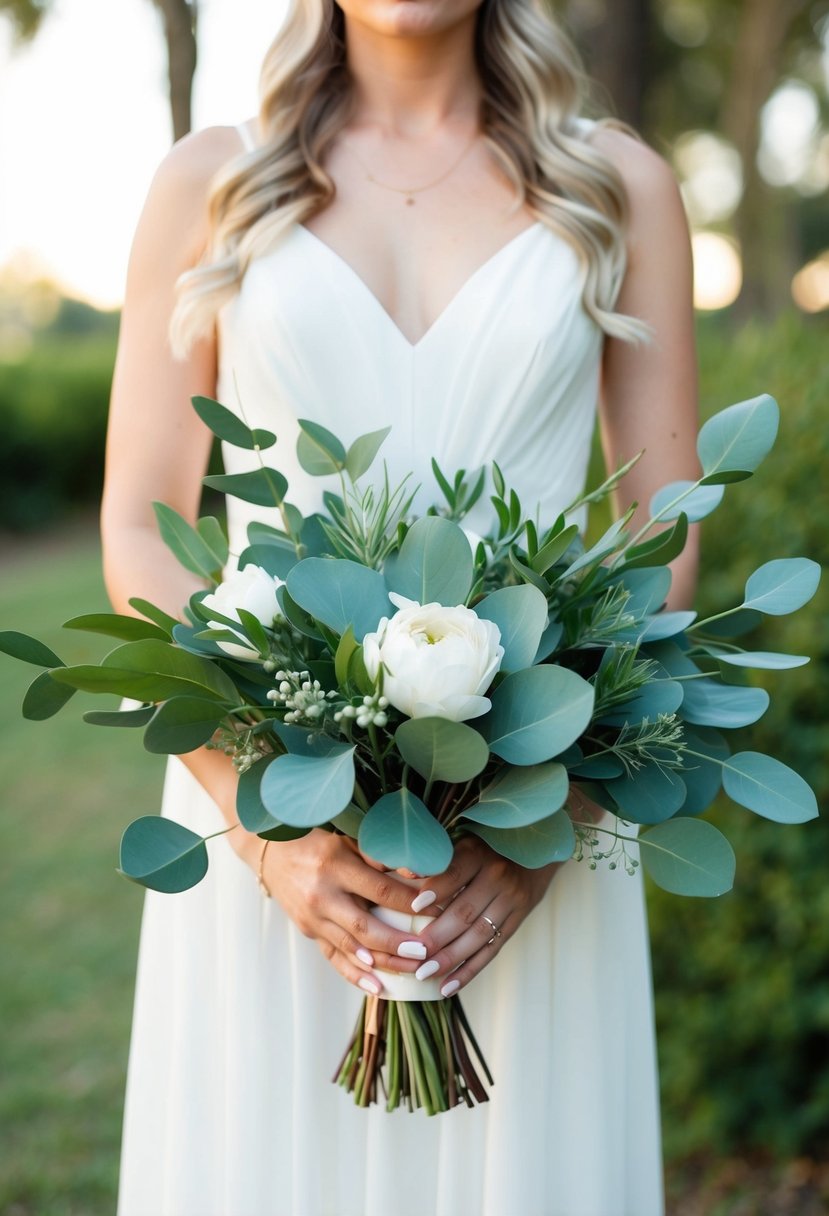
(810, 286)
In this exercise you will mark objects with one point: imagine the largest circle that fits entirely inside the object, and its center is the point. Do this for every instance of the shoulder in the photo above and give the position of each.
(177, 198)
(653, 191)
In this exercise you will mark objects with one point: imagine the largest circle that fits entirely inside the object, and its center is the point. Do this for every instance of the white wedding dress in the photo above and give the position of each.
(239, 1022)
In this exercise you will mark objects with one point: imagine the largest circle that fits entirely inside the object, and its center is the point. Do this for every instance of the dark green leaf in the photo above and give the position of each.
(161, 854)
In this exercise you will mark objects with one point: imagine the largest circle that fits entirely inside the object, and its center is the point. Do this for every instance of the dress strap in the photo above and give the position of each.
(246, 134)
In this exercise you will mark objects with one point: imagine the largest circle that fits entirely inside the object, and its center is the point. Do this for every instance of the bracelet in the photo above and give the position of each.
(263, 886)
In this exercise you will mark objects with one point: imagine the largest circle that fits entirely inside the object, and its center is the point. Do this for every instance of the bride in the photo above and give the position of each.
(419, 229)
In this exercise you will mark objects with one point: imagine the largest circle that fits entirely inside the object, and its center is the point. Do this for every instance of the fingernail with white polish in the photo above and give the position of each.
(411, 950)
(372, 986)
(450, 987)
(364, 956)
(426, 969)
(423, 900)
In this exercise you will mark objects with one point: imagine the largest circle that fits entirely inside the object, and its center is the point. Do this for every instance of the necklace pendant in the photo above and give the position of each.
(409, 200)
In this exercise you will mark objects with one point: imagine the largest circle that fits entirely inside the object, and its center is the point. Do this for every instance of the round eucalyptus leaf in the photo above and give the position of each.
(782, 586)
(665, 625)
(688, 857)
(441, 750)
(537, 713)
(657, 697)
(598, 768)
(519, 796)
(647, 589)
(550, 639)
(702, 773)
(305, 791)
(536, 844)
(732, 443)
(339, 593)
(434, 563)
(163, 855)
(276, 559)
(769, 788)
(400, 832)
(710, 703)
(649, 795)
(521, 615)
(181, 724)
(253, 815)
(695, 503)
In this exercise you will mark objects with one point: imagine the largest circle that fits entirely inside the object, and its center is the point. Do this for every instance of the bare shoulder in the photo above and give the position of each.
(651, 183)
(177, 198)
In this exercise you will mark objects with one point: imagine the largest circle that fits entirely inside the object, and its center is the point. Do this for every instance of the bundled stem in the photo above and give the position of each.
(416, 1053)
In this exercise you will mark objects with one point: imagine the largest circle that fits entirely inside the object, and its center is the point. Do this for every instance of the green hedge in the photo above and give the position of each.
(742, 982)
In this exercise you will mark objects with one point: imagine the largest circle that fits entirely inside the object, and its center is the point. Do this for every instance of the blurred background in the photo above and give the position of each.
(735, 93)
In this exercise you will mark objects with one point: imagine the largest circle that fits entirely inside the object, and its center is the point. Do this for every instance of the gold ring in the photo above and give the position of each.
(496, 932)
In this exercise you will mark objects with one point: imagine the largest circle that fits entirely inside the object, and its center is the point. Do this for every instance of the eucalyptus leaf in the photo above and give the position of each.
(401, 833)
(782, 586)
(612, 540)
(27, 649)
(361, 454)
(44, 697)
(688, 857)
(253, 815)
(550, 639)
(340, 593)
(535, 845)
(181, 724)
(702, 773)
(654, 698)
(666, 625)
(225, 425)
(521, 615)
(660, 549)
(434, 563)
(680, 498)
(537, 713)
(763, 660)
(186, 544)
(769, 788)
(305, 791)
(163, 855)
(649, 795)
(647, 589)
(120, 717)
(128, 628)
(441, 750)
(519, 796)
(157, 615)
(732, 444)
(711, 703)
(265, 487)
(210, 530)
(555, 548)
(318, 450)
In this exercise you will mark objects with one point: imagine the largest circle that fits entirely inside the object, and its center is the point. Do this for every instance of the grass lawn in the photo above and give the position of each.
(68, 922)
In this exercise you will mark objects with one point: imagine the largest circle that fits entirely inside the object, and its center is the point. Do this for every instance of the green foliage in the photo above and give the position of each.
(743, 1008)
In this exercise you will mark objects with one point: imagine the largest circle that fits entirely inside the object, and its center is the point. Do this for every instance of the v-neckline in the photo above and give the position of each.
(448, 308)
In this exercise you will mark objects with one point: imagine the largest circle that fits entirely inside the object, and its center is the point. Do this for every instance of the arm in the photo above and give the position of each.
(158, 449)
(649, 392)
(648, 400)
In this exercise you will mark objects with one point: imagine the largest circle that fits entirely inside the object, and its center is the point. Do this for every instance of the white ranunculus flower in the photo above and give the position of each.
(438, 661)
(252, 589)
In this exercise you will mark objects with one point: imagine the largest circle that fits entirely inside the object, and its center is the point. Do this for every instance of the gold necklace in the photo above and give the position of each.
(412, 190)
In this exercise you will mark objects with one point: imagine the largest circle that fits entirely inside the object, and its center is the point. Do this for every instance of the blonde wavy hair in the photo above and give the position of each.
(534, 84)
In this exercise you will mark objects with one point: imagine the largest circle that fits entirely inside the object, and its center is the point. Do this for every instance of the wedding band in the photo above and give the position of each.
(496, 932)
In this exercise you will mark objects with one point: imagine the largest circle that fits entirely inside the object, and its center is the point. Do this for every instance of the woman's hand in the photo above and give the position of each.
(326, 888)
(480, 893)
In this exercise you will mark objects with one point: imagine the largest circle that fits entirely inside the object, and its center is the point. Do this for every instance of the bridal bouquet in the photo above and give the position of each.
(404, 682)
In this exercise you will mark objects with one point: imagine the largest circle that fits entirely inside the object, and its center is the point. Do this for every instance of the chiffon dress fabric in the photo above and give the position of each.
(239, 1021)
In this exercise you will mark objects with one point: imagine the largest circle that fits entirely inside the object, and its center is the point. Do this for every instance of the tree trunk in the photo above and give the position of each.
(613, 37)
(179, 18)
(761, 36)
